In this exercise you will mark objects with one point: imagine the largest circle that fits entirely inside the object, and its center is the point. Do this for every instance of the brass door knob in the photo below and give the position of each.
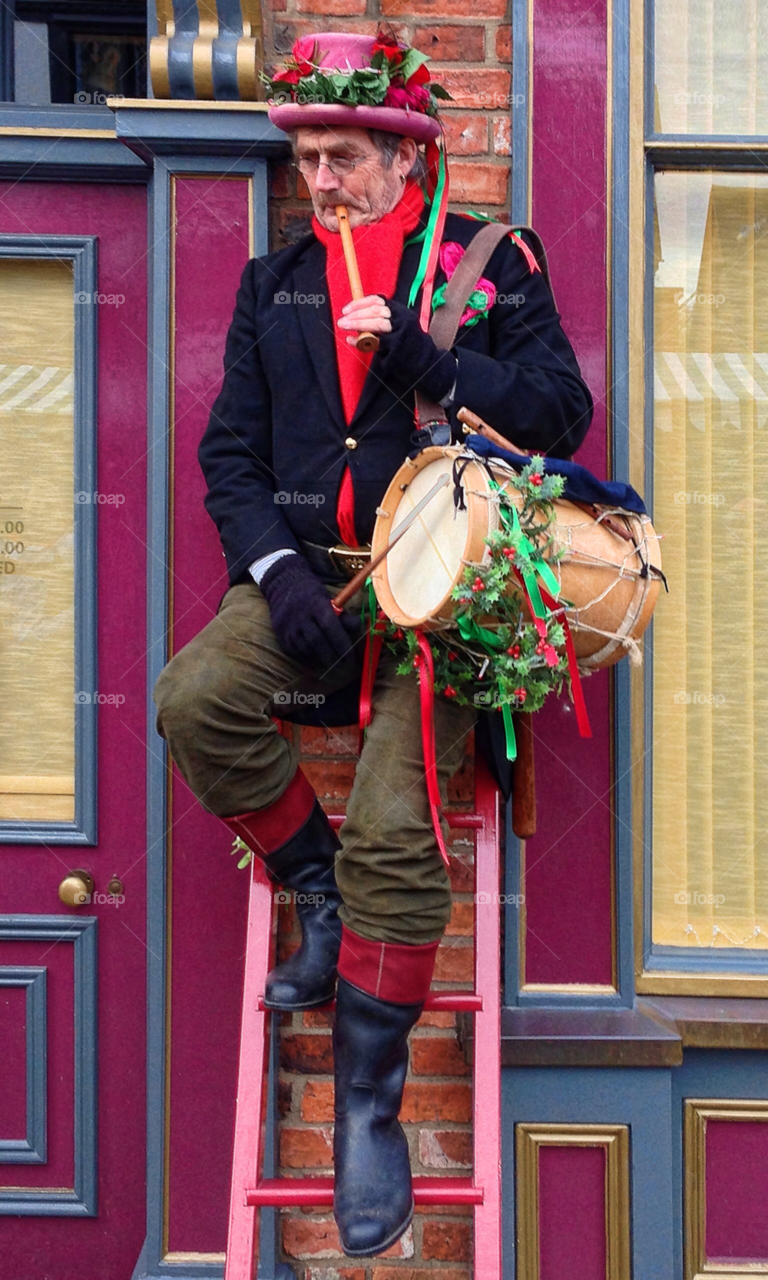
(76, 888)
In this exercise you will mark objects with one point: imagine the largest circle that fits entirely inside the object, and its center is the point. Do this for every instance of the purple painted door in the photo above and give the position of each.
(73, 1076)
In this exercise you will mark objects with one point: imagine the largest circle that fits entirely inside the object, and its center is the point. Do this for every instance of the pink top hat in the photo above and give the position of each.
(403, 111)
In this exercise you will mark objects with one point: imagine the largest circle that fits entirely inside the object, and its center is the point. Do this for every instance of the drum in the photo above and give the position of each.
(607, 576)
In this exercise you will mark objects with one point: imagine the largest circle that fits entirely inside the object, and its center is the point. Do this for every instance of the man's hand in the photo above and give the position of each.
(407, 356)
(366, 315)
(304, 623)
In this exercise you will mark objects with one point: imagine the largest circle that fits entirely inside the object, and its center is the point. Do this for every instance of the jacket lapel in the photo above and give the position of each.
(317, 327)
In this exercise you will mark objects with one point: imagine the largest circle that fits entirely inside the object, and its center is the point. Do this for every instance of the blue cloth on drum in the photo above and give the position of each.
(580, 484)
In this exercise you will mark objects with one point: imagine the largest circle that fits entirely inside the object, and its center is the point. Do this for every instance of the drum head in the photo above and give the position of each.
(414, 582)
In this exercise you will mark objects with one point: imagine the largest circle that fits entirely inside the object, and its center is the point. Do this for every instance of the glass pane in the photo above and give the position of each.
(37, 692)
(710, 648)
(711, 71)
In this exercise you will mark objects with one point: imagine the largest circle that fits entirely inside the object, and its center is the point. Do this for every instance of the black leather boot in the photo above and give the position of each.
(305, 864)
(373, 1196)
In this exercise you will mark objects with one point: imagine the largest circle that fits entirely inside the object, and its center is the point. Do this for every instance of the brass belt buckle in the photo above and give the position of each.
(349, 560)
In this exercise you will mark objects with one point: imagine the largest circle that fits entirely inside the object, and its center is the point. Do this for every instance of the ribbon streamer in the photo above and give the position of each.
(374, 639)
(426, 671)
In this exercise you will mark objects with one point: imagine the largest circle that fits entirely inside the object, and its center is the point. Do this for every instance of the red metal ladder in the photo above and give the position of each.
(483, 1190)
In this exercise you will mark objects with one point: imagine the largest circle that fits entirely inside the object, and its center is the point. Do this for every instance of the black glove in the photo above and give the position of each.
(303, 620)
(408, 357)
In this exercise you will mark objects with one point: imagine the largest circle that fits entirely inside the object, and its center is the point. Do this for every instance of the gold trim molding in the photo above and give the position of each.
(697, 1112)
(614, 1139)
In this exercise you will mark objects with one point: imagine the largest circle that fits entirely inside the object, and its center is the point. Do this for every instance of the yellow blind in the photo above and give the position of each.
(37, 692)
(711, 66)
(710, 651)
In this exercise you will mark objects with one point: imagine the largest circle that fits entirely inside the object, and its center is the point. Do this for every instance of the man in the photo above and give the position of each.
(302, 442)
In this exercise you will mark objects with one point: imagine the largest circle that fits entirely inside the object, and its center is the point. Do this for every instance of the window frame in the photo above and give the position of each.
(659, 970)
(81, 251)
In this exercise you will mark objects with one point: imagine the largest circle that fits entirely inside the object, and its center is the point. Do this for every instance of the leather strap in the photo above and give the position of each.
(445, 321)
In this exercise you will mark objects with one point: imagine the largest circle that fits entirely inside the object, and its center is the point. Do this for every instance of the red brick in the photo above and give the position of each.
(448, 1241)
(434, 1019)
(504, 44)
(478, 88)
(446, 8)
(451, 44)
(330, 6)
(331, 779)
(281, 181)
(455, 1210)
(306, 1148)
(329, 742)
(502, 136)
(412, 1273)
(446, 1102)
(437, 1056)
(461, 787)
(317, 1101)
(455, 964)
(462, 868)
(467, 135)
(314, 1018)
(462, 922)
(311, 1238)
(285, 1099)
(479, 184)
(310, 1055)
(334, 1273)
(449, 1149)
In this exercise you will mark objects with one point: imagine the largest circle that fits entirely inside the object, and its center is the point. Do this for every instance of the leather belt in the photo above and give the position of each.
(335, 564)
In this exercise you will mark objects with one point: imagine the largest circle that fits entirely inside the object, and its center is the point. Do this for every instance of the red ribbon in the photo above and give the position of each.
(423, 661)
(374, 638)
(577, 693)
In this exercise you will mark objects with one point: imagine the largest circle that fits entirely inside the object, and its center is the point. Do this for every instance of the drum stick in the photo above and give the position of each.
(365, 341)
(473, 423)
(524, 779)
(358, 581)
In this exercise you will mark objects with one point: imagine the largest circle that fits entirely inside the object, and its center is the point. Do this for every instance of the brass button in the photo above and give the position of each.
(350, 442)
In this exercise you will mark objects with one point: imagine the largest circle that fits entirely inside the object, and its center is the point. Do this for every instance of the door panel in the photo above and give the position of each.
(80, 970)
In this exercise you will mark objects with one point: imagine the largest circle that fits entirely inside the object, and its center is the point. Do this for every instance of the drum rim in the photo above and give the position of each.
(475, 548)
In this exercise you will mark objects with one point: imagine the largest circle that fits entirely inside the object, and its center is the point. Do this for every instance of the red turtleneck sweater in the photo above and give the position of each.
(379, 249)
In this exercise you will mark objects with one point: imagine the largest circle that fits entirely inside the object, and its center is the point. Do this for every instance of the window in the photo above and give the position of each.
(706, 469)
(77, 51)
(48, 686)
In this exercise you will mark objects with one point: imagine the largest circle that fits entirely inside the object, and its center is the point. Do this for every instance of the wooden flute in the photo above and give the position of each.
(364, 341)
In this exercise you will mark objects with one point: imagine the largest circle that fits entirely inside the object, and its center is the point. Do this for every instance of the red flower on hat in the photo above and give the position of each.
(420, 76)
(389, 46)
(415, 99)
(289, 75)
(305, 52)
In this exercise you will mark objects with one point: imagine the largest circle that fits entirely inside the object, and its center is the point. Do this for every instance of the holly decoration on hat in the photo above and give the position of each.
(397, 77)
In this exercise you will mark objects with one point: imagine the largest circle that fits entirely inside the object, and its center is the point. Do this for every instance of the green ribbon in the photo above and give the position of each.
(509, 731)
(525, 548)
(429, 236)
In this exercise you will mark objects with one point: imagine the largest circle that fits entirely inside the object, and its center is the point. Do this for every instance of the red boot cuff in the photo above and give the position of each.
(265, 830)
(391, 971)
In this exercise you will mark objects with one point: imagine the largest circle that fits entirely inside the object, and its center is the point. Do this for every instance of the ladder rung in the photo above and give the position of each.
(448, 1001)
(459, 821)
(318, 1192)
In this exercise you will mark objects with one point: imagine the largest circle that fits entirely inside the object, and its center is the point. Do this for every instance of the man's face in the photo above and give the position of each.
(369, 190)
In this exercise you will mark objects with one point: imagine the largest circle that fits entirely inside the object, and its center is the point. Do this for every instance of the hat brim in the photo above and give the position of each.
(308, 115)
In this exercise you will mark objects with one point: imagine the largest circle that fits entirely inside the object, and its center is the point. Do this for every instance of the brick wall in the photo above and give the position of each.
(469, 43)
(438, 1094)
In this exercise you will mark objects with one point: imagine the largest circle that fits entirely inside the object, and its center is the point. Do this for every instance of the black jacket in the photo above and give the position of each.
(274, 451)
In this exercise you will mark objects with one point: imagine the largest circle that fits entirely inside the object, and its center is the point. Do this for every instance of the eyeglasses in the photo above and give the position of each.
(339, 166)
